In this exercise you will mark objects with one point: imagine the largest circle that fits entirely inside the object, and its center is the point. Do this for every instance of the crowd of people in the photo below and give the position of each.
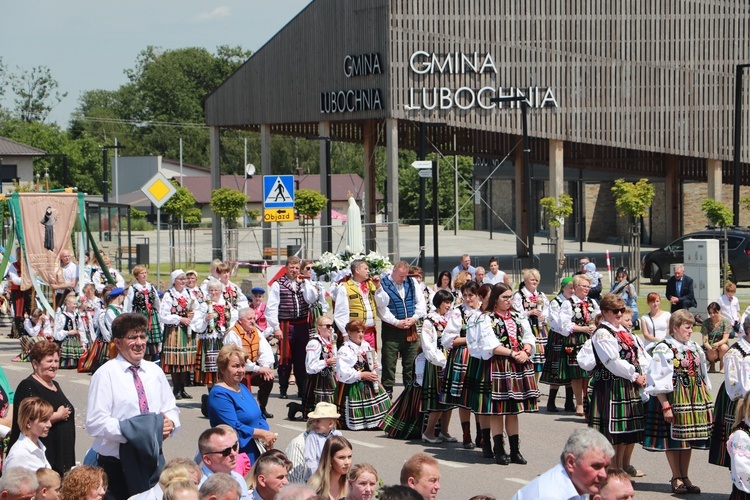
(472, 343)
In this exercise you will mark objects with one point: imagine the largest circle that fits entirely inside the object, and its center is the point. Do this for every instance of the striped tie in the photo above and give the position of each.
(142, 401)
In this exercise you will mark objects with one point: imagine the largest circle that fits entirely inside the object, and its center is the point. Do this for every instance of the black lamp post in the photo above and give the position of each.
(737, 140)
(529, 206)
(326, 230)
(105, 181)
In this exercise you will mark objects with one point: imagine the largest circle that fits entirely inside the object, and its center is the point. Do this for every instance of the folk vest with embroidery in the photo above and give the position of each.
(505, 336)
(144, 302)
(250, 341)
(628, 353)
(528, 305)
(357, 308)
(579, 318)
(400, 308)
(17, 266)
(292, 305)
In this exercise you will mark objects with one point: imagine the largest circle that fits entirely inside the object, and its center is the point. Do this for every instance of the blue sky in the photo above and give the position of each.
(87, 44)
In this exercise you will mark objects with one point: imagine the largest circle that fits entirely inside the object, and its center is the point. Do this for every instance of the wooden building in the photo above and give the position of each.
(636, 89)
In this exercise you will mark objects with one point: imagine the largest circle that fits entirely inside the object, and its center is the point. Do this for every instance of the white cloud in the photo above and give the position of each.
(217, 13)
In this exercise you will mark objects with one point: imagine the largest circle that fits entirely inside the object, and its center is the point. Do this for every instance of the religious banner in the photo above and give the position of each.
(48, 220)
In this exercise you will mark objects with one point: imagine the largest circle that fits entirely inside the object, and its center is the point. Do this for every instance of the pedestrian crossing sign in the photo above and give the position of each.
(278, 191)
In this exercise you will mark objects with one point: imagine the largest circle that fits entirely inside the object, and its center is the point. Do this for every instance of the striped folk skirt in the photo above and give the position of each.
(27, 342)
(319, 387)
(362, 405)
(551, 371)
(432, 386)
(71, 349)
(454, 377)
(615, 409)
(500, 386)
(722, 427)
(155, 335)
(178, 354)
(404, 418)
(691, 407)
(568, 368)
(539, 359)
(207, 351)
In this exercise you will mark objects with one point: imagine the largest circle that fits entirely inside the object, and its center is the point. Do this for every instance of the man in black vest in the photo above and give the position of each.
(400, 305)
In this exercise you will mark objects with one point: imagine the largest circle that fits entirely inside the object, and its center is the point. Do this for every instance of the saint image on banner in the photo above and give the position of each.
(48, 222)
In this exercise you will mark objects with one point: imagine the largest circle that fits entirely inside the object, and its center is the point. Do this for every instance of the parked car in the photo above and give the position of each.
(655, 265)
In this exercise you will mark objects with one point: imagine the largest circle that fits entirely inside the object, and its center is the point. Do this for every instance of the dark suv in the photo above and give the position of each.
(656, 265)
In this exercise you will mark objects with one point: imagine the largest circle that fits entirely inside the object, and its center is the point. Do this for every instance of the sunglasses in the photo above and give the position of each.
(328, 325)
(226, 451)
(308, 268)
(616, 311)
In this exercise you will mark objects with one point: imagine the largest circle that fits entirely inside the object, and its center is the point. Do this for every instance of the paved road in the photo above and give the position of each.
(464, 473)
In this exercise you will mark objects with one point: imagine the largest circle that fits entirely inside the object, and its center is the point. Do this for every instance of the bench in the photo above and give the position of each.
(270, 253)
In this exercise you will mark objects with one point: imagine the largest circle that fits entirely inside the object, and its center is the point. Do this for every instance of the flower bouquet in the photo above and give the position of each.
(336, 267)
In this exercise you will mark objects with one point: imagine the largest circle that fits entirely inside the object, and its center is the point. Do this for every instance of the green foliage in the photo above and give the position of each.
(141, 225)
(309, 203)
(229, 204)
(36, 93)
(193, 216)
(557, 210)
(717, 213)
(136, 214)
(633, 199)
(180, 203)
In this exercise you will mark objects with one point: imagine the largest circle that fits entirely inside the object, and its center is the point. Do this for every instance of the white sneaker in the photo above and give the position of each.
(437, 440)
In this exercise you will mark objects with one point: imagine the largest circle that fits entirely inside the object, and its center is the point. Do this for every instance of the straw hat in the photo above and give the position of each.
(324, 410)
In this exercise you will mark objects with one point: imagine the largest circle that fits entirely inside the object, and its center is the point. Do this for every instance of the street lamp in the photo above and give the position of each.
(105, 182)
(737, 139)
(524, 104)
(325, 220)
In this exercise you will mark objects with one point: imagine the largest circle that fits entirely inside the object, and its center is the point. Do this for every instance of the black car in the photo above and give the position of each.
(656, 265)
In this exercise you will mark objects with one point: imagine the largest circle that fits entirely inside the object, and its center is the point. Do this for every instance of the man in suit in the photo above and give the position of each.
(680, 290)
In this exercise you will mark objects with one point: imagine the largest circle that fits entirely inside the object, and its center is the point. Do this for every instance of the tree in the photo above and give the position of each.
(180, 203)
(229, 205)
(633, 200)
(36, 93)
(719, 215)
(179, 206)
(309, 204)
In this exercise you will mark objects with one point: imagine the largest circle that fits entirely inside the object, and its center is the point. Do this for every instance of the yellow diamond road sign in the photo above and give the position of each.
(158, 189)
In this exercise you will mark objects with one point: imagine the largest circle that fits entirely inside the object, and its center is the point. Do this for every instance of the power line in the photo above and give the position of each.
(144, 123)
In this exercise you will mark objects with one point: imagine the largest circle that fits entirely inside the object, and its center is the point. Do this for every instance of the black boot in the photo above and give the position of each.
(501, 458)
(486, 444)
(551, 401)
(282, 392)
(570, 404)
(185, 382)
(466, 429)
(176, 385)
(478, 440)
(515, 453)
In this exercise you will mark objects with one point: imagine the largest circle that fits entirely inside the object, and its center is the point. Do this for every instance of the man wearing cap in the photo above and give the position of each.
(259, 365)
(129, 401)
(355, 299)
(114, 300)
(287, 315)
(260, 310)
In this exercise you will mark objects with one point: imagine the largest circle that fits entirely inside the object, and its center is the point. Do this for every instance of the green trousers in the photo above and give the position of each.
(395, 343)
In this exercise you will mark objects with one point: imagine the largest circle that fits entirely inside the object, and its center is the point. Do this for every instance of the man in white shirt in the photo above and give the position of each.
(355, 299)
(465, 265)
(401, 305)
(581, 472)
(495, 275)
(69, 273)
(219, 448)
(123, 388)
(259, 365)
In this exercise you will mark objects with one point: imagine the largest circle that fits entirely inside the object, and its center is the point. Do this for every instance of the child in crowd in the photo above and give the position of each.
(49, 485)
(70, 332)
(595, 277)
(324, 419)
(730, 306)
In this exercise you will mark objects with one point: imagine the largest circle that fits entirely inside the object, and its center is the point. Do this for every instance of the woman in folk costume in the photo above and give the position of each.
(678, 414)
(534, 304)
(503, 384)
(232, 293)
(404, 419)
(142, 298)
(736, 385)
(213, 318)
(576, 326)
(69, 332)
(196, 293)
(453, 340)
(315, 295)
(320, 363)
(90, 307)
(554, 348)
(361, 400)
(616, 409)
(37, 327)
(177, 312)
(100, 279)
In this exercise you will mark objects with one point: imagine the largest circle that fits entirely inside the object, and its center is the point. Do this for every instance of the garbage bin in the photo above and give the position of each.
(293, 250)
(141, 253)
